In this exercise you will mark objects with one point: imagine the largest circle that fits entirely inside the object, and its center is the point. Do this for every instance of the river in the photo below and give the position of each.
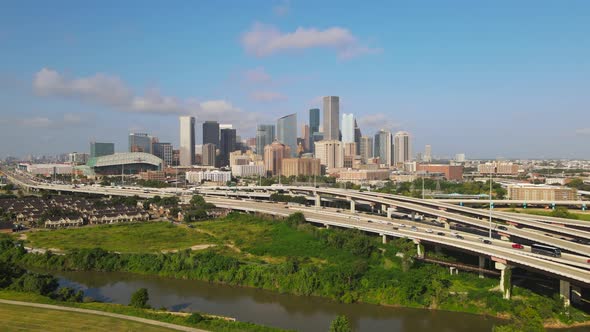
(267, 308)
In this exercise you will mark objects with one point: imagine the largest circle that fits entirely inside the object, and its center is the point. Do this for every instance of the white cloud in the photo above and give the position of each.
(282, 8)
(377, 121)
(257, 75)
(264, 40)
(35, 122)
(583, 131)
(112, 92)
(267, 96)
(100, 87)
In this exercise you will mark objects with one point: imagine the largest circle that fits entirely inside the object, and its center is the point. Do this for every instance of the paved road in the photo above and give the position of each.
(103, 313)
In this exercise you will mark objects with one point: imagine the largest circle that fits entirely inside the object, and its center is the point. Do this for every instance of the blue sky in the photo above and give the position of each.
(487, 78)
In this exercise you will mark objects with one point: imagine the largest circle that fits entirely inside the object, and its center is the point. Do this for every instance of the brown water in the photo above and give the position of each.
(268, 308)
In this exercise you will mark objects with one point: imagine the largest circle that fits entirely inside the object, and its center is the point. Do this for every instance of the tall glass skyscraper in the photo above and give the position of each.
(228, 145)
(187, 141)
(265, 135)
(332, 118)
(287, 131)
(348, 128)
(314, 121)
(101, 149)
(140, 142)
(211, 133)
(383, 147)
(403, 147)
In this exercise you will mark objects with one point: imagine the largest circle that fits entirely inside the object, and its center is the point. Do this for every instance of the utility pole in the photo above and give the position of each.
(491, 177)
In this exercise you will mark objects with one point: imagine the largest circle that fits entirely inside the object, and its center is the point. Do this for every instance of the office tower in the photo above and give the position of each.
(228, 145)
(349, 149)
(366, 148)
(357, 137)
(163, 151)
(226, 126)
(331, 118)
(314, 121)
(287, 132)
(211, 133)
(315, 137)
(403, 147)
(101, 149)
(330, 153)
(428, 153)
(274, 155)
(383, 148)
(306, 137)
(187, 141)
(265, 135)
(140, 142)
(208, 154)
(347, 128)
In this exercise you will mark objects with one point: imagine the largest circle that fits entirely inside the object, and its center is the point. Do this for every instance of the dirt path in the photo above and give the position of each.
(103, 313)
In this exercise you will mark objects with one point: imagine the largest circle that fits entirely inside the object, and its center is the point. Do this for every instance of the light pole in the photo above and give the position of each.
(490, 233)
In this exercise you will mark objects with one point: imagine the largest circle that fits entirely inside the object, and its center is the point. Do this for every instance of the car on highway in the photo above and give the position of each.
(440, 233)
(402, 225)
(487, 241)
(517, 246)
(588, 261)
(459, 237)
(414, 228)
(429, 230)
(502, 228)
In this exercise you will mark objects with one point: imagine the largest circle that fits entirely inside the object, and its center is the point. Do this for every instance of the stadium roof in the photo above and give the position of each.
(127, 158)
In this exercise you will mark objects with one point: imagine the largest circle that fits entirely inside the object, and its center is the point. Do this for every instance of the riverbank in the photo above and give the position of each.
(161, 318)
(294, 257)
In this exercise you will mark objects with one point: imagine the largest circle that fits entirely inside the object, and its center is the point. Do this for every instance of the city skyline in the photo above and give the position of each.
(71, 83)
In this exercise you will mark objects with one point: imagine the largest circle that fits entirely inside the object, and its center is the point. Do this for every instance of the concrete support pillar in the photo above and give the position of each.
(564, 292)
(413, 215)
(482, 264)
(505, 279)
(327, 226)
(389, 210)
(318, 200)
(447, 225)
(383, 238)
(352, 206)
(419, 249)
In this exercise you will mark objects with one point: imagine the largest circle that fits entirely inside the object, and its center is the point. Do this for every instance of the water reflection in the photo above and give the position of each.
(268, 308)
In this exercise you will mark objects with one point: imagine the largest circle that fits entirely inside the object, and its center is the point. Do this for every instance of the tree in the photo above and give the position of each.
(340, 324)
(140, 298)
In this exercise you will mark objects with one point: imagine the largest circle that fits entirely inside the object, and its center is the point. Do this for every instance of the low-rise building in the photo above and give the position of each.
(363, 176)
(451, 172)
(216, 176)
(301, 166)
(498, 168)
(248, 170)
(528, 192)
(153, 176)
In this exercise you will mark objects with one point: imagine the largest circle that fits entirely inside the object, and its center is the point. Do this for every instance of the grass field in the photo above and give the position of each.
(136, 237)
(267, 238)
(21, 318)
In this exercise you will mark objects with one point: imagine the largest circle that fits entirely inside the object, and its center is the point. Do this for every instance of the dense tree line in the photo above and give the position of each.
(277, 197)
(414, 188)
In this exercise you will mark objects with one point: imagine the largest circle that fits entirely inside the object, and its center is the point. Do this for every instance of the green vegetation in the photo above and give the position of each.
(292, 256)
(135, 237)
(22, 318)
(197, 210)
(276, 197)
(206, 323)
(340, 324)
(152, 183)
(140, 299)
(414, 188)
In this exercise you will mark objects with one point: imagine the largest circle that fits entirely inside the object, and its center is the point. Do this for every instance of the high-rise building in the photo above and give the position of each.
(211, 132)
(349, 149)
(101, 149)
(76, 158)
(383, 147)
(330, 153)
(187, 141)
(314, 121)
(163, 151)
(306, 137)
(366, 148)
(274, 155)
(140, 142)
(357, 137)
(228, 145)
(347, 128)
(331, 118)
(265, 135)
(428, 153)
(403, 147)
(287, 131)
(208, 154)
(315, 137)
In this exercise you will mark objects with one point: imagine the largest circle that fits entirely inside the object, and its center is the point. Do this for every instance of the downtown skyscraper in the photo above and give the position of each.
(402, 147)
(347, 128)
(211, 133)
(265, 135)
(187, 141)
(332, 118)
(287, 131)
